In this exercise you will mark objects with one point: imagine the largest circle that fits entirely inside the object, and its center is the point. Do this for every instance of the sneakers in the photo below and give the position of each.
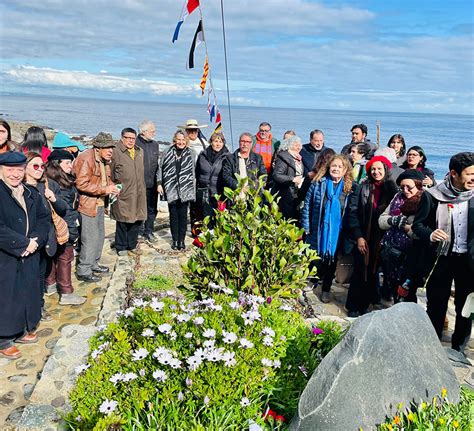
(11, 352)
(51, 289)
(325, 297)
(71, 299)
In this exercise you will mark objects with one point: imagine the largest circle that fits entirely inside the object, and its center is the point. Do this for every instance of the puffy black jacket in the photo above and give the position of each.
(151, 159)
(209, 170)
(310, 155)
(230, 167)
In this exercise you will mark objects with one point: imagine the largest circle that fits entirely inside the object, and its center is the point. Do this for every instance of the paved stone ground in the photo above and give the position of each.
(63, 341)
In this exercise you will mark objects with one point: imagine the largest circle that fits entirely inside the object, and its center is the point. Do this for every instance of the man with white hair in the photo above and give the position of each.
(151, 151)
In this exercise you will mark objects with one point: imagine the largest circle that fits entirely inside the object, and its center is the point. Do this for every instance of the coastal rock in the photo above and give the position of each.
(387, 357)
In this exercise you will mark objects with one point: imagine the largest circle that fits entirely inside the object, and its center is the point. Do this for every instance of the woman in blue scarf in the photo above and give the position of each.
(323, 213)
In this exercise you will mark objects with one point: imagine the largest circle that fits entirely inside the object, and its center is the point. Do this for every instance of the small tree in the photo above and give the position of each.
(251, 247)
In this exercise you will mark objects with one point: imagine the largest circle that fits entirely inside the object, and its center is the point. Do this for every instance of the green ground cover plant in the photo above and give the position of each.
(154, 282)
(222, 363)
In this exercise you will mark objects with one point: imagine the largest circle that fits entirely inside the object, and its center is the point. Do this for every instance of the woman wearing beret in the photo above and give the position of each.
(401, 261)
(365, 207)
(59, 168)
(416, 159)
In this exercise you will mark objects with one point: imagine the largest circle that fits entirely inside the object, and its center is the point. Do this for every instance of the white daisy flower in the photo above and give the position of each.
(283, 338)
(206, 400)
(148, 332)
(140, 302)
(103, 346)
(170, 293)
(173, 335)
(209, 343)
(189, 382)
(129, 312)
(267, 362)
(246, 344)
(194, 362)
(276, 363)
(183, 318)
(253, 426)
(268, 341)
(117, 377)
(214, 355)
(95, 353)
(165, 359)
(209, 333)
(200, 353)
(285, 307)
(165, 328)
(142, 372)
(180, 396)
(81, 368)
(244, 402)
(229, 337)
(159, 375)
(268, 331)
(214, 286)
(139, 354)
(108, 406)
(161, 351)
(198, 320)
(188, 335)
(128, 377)
(157, 305)
(175, 363)
(234, 305)
(229, 359)
(216, 307)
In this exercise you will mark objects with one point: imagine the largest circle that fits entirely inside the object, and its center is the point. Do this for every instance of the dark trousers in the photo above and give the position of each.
(178, 219)
(126, 235)
(326, 272)
(438, 290)
(363, 285)
(151, 208)
(61, 269)
(44, 268)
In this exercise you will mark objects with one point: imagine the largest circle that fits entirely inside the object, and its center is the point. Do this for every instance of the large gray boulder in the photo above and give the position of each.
(387, 357)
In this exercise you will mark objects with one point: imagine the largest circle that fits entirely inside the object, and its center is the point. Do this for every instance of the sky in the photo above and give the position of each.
(373, 55)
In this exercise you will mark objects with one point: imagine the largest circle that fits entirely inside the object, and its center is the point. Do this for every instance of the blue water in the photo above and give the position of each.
(440, 135)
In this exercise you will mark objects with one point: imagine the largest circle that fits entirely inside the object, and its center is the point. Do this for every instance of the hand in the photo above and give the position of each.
(298, 180)
(159, 189)
(112, 190)
(32, 247)
(439, 235)
(362, 246)
(48, 194)
(427, 181)
(407, 228)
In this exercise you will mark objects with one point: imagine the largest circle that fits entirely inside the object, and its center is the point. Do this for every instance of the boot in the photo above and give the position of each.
(181, 245)
(175, 245)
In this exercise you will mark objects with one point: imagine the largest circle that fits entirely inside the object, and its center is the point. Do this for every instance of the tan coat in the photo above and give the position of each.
(131, 203)
(89, 182)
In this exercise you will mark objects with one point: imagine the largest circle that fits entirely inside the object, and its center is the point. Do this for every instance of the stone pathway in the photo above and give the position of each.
(42, 378)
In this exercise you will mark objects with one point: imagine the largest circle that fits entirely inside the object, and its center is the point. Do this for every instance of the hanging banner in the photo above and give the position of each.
(198, 38)
(188, 9)
(204, 76)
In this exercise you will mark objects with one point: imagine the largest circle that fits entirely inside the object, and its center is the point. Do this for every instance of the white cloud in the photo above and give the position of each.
(101, 82)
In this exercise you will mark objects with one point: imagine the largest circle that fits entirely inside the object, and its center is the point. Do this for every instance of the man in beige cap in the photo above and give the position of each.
(197, 143)
(93, 181)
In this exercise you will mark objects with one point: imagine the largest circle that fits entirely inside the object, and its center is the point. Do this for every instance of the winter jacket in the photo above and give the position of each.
(151, 151)
(209, 174)
(310, 155)
(230, 167)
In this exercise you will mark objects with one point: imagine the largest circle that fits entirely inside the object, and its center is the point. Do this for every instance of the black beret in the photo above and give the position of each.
(12, 158)
(410, 174)
(60, 155)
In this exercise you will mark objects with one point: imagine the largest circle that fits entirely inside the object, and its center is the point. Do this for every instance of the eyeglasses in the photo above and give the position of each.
(407, 188)
(36, 166)
(245, 142)
(264, 130)
(129, 138)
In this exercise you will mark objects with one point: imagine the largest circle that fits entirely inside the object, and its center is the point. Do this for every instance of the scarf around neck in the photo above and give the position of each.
(331, 225)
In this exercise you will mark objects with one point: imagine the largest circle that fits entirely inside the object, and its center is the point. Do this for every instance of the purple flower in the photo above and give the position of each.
(269, 300)
(316, 330)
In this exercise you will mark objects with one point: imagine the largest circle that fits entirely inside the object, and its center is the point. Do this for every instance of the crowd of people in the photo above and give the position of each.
(379, 207)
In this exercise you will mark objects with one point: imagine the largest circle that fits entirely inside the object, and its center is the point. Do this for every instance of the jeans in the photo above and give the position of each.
(92, 241)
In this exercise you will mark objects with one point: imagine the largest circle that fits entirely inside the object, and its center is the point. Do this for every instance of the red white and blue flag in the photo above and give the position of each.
(188, 9)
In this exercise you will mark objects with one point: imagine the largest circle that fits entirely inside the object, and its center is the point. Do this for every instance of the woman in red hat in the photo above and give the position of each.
(367, 204)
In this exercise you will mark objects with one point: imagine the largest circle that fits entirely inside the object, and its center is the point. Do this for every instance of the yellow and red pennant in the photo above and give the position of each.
(204, 76)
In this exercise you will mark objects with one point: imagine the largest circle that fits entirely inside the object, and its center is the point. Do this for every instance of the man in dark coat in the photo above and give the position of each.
(24, 226)
(445, 223)
(151, 151)
(311, 151)
(243, 162)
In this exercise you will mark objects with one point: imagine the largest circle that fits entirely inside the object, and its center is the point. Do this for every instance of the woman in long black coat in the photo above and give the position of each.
(20, 305)
(288, 177)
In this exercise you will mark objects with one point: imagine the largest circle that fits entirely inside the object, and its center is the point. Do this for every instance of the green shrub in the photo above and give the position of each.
(147, 370)
(154, 282)
(439, 415)
(326, 335)
(251, 248)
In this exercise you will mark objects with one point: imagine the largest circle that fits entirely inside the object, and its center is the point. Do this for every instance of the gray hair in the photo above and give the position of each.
(387, 152)
(145, 125)
(288, 143)
(249, 135)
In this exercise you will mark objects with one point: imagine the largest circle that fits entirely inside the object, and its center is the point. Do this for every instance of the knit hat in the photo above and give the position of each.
(61, 140)
(410, 174)
(103, 140)
(12, 158)
(60, 155)
(382, 159)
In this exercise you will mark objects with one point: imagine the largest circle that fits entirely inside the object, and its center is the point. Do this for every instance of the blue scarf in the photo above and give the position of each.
(331, 225)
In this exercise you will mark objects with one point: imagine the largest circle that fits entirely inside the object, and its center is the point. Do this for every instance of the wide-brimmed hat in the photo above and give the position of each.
(192, 124)
(103, 140)
(61, 140)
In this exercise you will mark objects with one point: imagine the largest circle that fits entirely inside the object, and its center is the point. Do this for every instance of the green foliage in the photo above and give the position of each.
(154, 282)
(251, 248)
(439, 415)
(326, 335)
(231, 386)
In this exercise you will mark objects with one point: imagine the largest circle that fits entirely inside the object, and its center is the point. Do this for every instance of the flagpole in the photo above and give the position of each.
(227, 74)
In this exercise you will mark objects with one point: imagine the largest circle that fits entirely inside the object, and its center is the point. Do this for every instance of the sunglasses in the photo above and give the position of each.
(36, 166)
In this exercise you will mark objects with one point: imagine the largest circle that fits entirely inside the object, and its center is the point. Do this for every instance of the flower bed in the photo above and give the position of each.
(216, 363)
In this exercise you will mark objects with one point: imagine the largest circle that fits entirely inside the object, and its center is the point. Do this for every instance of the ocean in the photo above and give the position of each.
(440, 135)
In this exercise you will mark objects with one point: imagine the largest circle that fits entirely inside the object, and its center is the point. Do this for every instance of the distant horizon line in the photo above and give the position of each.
(107, 99)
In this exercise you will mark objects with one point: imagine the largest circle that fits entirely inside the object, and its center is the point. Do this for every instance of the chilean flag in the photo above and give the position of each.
(188, 9)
